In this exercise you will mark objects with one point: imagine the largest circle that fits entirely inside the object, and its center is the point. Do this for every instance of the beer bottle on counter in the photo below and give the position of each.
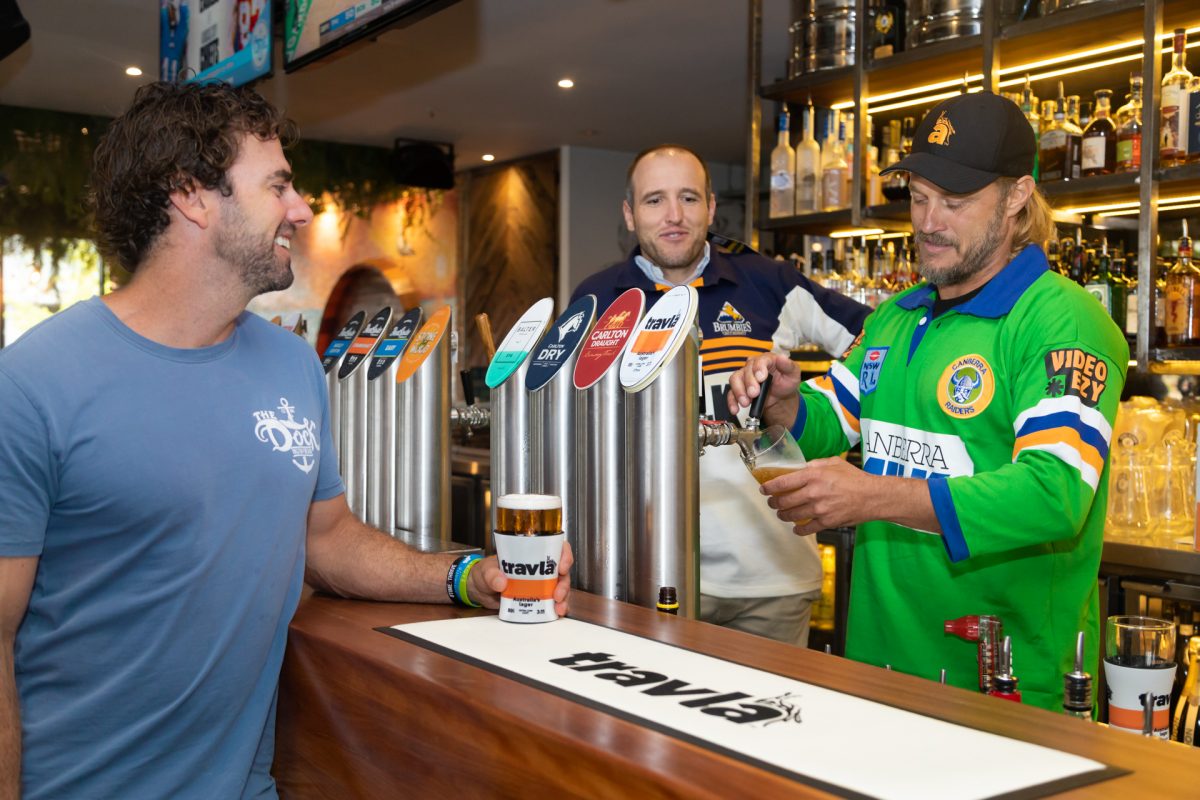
(668, 600)
(1077, 687)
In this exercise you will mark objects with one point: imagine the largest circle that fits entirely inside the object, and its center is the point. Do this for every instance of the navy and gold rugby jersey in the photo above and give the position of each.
(749, 304)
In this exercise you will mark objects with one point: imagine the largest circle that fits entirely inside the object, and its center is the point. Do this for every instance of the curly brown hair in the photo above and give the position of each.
(174, 136)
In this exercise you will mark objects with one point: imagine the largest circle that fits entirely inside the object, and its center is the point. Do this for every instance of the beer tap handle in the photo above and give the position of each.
(754, 416)
(468, 386)
(485, 333)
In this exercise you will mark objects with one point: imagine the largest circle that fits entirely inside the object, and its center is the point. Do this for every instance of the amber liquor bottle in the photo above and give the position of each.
(1182, 296)
(1098, 155)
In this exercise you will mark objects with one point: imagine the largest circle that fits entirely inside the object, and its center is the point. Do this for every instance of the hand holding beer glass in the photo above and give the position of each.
(772, 453)
(529, 546)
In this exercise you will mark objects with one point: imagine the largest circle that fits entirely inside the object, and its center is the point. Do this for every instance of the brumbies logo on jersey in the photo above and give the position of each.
(730, 320)
(868, 372)
(966, 386)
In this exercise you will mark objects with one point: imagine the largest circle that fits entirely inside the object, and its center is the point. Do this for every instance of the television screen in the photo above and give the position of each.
(313, 29)
(215, 40)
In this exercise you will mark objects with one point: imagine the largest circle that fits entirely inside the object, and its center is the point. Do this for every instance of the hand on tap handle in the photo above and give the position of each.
(779, 399)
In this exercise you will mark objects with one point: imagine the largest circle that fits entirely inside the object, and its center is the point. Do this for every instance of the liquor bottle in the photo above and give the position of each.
(1129, 128)
(1182, 297)
(1173, 149)
(1077, 270)
(874, 182)
(1193, 121)
(906, 136)
(1108, 285)
(1058, 150)
(834, 170)
(808, 167)
(1029, 107)
(1052, 255)
(848, 136)
(1085, 114)
(895, 184)
(1185, 723)
(1073, 110)
(1098, 154)
(783, 171)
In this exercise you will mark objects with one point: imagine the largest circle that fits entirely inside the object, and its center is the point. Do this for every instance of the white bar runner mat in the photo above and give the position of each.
(818, 737)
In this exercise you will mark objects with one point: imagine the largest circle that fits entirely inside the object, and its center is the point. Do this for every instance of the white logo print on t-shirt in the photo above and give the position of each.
(288, 434)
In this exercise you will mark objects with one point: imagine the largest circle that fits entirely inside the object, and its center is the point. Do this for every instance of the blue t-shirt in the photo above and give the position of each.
(166, 492)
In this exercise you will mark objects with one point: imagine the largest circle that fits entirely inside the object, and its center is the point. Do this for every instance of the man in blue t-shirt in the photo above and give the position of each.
(167, 480)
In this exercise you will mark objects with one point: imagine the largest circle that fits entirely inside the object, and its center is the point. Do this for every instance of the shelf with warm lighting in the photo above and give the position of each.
(937, 64)
(1086, 28)
(818, 222)
(1118, 187)
(896, 213)
(825, 87)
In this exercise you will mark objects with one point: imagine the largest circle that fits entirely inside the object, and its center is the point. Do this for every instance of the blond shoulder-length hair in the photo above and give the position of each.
(1035, 222)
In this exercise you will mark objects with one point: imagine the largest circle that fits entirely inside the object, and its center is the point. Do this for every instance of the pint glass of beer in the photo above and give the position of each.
(773, 453)
(529, 543)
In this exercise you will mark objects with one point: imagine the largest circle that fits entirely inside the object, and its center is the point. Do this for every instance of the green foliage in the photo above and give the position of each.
(46, 156)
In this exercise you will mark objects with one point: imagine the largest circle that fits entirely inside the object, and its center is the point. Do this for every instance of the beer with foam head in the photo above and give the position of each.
(529, 543)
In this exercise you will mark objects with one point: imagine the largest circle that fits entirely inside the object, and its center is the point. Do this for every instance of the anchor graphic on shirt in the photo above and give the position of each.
(298, 437)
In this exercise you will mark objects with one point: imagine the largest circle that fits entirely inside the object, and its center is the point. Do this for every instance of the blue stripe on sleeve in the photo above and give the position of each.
(801, 418)
(1065, 419)
(943, 506)
(848, 400)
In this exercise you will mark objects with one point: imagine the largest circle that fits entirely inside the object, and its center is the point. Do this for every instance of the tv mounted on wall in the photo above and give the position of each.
(215, 40)
(312, 29)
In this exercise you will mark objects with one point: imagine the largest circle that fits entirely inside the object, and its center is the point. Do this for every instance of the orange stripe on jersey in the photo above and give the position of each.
(762, 345)
(825, 383)
(1067, 436)
(662, 287)
(730, 355)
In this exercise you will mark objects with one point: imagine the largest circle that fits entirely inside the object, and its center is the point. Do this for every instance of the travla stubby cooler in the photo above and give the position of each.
(529, 543)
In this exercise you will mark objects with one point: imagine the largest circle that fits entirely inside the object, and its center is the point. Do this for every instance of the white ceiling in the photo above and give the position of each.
(480, 74)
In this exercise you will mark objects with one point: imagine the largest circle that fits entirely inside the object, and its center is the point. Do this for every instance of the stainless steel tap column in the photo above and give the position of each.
(511, 469)
(557, 412)
(660, 370)
(423, 447)
(605, 516)
(331, 361)
(355, 424)
(382, 421)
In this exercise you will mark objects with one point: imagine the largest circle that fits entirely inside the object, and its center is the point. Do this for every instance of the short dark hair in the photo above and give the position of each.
(173, 136)
(708, 192)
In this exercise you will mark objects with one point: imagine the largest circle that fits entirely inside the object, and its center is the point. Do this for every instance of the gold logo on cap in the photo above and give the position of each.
(942, 131)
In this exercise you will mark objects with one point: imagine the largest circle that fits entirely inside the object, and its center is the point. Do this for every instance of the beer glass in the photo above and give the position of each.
(772, 453)
(529, 543)
(1139, 667)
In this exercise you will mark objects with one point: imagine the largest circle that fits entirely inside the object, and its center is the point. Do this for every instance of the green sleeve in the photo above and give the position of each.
(828, 420)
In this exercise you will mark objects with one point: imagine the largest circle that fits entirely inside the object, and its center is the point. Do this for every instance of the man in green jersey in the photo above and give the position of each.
(983, 400)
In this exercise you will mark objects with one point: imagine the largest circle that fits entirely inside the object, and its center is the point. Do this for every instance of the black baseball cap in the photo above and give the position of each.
(968, 141)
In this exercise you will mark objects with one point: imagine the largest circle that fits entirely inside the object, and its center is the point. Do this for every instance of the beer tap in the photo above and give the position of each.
(715, 433)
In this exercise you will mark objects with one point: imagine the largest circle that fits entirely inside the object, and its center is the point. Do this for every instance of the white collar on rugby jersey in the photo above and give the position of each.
(655, 274)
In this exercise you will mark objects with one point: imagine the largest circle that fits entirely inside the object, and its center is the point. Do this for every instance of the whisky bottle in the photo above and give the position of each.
(1029, 107)
(1173, 144)
(834, 169)
(1129, 129)
(1182, 297)
(1098, 155)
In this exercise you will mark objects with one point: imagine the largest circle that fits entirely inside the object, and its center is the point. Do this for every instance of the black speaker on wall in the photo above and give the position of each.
(429, 165)
(14, 29)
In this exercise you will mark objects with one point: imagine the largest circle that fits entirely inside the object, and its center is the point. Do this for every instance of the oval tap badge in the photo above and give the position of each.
(607, 342)
(513, 351)
(341, 343)
(658, 337)
(560, 342)
(423, 344)
(365, 343)
(966, 386)
(392, 346)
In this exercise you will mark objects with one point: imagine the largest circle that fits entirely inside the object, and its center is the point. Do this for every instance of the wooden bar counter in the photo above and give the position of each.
(366, 715)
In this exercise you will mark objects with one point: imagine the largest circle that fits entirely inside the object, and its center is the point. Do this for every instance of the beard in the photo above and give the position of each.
(253, 256)
(973, 260)
(681, 260)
